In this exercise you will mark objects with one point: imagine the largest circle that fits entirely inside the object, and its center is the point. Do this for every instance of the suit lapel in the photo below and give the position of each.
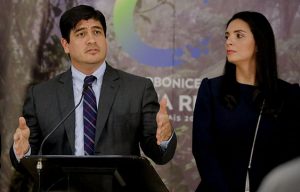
(109, 88)
(66, 102)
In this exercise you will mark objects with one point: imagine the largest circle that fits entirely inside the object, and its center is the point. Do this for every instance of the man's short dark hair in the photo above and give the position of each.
(71, 17)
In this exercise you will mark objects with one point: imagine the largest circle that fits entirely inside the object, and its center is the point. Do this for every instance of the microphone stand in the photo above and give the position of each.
(39, 165)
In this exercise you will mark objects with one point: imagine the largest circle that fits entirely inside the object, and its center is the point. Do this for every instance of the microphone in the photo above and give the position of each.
(39, 165)
(85, 87)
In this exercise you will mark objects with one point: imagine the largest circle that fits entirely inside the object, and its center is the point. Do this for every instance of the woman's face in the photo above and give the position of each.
(240, 44)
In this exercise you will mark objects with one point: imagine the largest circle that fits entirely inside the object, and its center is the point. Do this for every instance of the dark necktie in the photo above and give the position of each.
(89, 116)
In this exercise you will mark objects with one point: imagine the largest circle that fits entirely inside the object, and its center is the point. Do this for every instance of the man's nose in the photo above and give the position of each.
(91, 38)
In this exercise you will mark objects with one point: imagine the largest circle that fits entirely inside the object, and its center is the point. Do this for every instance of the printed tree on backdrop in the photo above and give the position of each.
(18, 45)
(4, 57)
(289, 65)
(33, 54)
(51, 56)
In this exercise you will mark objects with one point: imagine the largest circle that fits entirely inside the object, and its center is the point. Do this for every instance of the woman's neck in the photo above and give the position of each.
(245, 75)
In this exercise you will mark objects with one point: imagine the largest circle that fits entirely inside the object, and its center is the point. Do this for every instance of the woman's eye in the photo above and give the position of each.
(238, 35)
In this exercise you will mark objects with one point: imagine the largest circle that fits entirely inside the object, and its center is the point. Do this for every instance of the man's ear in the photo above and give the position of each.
(65, 45)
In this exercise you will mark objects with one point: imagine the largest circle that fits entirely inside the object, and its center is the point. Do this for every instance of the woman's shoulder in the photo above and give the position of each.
(210, 86)
(290, 93)
(212, 82)
(288, 88)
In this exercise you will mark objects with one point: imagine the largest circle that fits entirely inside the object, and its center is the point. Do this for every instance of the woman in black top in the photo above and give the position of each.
(228, 107)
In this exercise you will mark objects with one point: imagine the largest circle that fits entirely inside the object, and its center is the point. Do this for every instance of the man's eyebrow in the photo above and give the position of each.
(83, 28)
(79, 29)
(97, 27)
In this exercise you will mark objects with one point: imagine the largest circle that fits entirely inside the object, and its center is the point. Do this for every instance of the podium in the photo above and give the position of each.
(108, 173)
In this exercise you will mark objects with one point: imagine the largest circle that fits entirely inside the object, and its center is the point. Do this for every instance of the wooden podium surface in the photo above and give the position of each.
(109, 173)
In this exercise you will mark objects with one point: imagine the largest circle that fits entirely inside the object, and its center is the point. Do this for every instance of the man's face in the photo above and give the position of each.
(88, 46)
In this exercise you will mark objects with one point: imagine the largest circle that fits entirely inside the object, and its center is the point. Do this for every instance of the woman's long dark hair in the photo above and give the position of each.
(266, 78)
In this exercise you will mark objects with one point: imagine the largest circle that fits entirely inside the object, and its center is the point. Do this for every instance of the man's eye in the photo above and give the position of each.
(97, 32)
(80, 35)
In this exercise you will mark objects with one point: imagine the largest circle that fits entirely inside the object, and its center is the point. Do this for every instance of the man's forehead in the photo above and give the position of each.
(86, 24)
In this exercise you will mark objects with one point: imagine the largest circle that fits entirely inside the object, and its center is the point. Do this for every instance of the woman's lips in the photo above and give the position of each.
(230, 52)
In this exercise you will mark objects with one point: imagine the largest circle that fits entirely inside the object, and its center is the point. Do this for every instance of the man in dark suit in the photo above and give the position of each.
(128, 113)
